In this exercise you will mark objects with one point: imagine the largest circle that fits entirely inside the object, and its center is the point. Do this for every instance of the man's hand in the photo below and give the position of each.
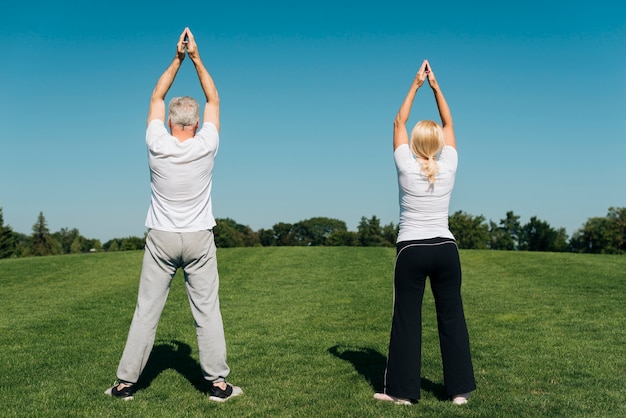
(192, 47)
(180, 46)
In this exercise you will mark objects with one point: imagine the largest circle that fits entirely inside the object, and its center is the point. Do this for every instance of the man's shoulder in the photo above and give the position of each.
(156, 122)
(208, 130)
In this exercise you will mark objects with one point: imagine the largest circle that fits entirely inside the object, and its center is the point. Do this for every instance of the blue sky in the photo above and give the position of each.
(309, 91)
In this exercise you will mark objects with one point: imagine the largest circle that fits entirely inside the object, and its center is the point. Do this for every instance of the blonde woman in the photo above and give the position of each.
(426, 249)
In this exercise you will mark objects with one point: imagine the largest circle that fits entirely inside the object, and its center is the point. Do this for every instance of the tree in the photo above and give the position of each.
(506, 235)
(132, 243)
(538, 235)
(471, 232)
(602, 235)
(66, 237)
(339, 238)
(266, 237)
(226, 235)
(390, 233)
(316, 231)
(370, 233)
(122, 244)
(618, 217)
(41, 242)
(284, 234)
(229, 233)
(7, 239)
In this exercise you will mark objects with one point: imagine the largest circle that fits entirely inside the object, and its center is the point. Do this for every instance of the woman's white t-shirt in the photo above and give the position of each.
(424, 207)
(181, 176)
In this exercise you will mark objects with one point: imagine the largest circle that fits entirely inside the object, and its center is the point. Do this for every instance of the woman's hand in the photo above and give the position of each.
(432, 81)
(421, 75)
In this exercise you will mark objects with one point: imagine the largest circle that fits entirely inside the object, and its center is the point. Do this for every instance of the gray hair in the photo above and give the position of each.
(184, 111)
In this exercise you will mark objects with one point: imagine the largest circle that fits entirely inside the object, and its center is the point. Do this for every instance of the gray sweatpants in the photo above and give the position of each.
(165, 252)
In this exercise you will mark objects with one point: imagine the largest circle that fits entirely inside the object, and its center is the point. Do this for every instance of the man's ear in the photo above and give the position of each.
(169, 123)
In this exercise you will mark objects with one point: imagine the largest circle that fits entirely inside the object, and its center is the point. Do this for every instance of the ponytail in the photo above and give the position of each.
(430, 168)
(426, 142)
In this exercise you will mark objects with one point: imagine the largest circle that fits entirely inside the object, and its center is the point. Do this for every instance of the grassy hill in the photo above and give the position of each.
(307, 332)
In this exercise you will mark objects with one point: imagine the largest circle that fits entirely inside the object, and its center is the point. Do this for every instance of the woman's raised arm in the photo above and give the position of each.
(400, 135)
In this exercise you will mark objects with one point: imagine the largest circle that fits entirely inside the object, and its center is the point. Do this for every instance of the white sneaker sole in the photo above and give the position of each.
(387, 398)
(236, 392)
(109, 392)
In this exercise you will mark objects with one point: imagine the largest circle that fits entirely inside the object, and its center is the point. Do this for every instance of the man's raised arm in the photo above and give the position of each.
(212, 107)
(157, 101)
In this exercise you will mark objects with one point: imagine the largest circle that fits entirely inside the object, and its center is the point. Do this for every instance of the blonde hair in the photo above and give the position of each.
(426, 142)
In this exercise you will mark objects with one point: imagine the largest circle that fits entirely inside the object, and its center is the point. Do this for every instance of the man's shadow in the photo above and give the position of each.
(371, 364)
(174, 355)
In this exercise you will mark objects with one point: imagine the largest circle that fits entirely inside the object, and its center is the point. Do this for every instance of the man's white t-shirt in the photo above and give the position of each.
(424, 207)
(181, 178)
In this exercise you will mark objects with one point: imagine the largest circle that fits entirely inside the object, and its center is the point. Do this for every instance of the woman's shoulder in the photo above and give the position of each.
(449, 152)
(449, 157)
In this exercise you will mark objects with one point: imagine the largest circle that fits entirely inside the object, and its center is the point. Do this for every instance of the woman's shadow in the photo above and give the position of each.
(174, 355)
(370, 364)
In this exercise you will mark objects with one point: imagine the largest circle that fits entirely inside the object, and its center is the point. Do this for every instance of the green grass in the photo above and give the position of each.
(307, 332)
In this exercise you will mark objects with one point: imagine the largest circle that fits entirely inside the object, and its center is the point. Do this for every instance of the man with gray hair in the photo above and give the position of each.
(180, 221)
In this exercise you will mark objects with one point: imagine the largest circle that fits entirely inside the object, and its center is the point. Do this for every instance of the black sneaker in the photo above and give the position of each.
(125, 392)
(218, 395)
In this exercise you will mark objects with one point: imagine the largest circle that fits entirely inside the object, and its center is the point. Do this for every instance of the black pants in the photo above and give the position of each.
(437, 259)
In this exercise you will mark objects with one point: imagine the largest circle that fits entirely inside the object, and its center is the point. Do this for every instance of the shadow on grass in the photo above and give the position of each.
(371, 364)
(173, 355)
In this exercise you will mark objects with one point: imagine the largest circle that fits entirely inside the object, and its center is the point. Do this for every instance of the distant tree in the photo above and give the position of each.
(41, 241)
(22, 244)
(124, 244)
(471, 232)
(284, 234)
(538, 235)
(602, 235)
(66, 237)
(370, 233)
(7, 239)
(340, 238)
(390, 233)
(499, 239)
(618, 217)
(505, 236)
(90, 245)
(266, 237)
(132, 243)
(76, 245)
(316, 231)
(229, 233)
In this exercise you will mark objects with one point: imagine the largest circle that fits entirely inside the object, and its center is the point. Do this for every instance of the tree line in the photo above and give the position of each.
(598, 235)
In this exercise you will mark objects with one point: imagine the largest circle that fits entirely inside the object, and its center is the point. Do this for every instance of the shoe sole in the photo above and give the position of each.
(109, 392)
(218, 399)
(232, 395)
(387, 398)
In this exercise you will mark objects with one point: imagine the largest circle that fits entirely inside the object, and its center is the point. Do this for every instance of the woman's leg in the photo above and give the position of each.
(458, 371)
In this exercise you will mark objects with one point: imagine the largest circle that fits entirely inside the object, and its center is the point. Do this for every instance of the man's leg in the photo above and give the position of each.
(157, 272)
(202, 281)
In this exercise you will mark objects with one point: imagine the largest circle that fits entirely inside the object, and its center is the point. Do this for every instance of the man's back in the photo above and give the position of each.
(181, 179)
